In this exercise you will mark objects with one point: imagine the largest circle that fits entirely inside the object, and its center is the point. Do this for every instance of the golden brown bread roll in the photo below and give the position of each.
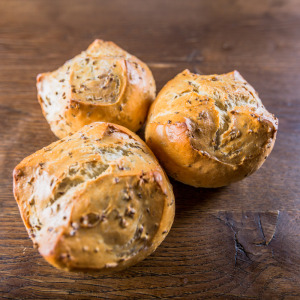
(209, 131)
(96, 200)
(103, 83)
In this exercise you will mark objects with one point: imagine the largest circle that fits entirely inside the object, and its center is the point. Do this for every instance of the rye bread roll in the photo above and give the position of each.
(103, 83)
(95, 201)
(210, 130)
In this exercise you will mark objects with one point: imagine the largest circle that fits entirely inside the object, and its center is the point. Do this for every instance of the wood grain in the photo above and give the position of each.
(240, 241)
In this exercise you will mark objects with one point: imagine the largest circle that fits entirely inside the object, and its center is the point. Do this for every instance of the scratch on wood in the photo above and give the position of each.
(268, 228)
(261, 230)
(239, 248)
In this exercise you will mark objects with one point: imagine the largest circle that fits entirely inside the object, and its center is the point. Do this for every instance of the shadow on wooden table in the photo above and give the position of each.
(188, 198)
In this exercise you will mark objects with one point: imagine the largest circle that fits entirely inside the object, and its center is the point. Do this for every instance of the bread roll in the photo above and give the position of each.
(210, 131)
(103, 83)
(95, 201)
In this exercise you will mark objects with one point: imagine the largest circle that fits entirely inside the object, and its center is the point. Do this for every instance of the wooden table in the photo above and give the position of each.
(240, 241)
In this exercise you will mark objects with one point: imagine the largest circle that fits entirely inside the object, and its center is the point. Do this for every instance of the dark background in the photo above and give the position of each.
(240, 241)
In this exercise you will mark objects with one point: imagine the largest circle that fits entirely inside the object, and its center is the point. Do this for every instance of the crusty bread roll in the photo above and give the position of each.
(209, 131)
(103, 83)
(95, 201)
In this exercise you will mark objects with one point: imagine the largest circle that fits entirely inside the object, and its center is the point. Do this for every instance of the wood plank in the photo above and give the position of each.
(207, 254)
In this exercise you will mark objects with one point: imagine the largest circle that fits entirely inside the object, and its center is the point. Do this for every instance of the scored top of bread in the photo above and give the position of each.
(96, 200)
(103, 83)
(210, 130)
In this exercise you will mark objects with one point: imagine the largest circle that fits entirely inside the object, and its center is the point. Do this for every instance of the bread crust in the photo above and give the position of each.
(210, 130)
(103, 83)
(96, 201)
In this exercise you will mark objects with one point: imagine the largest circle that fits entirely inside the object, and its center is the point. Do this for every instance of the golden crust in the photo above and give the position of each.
(210, 130)
(103, 83)
(95, 201)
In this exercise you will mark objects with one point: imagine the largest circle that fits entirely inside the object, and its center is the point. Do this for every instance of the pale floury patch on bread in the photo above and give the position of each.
(210, 130)
(103, 83)
(95, 201)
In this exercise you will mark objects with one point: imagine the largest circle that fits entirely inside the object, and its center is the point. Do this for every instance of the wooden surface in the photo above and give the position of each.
(240, 241)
